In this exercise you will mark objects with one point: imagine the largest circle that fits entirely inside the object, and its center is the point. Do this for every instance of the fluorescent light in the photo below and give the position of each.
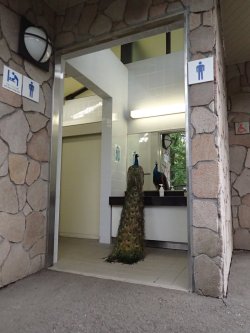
(158, 111)
(84, 112)
(144, 138)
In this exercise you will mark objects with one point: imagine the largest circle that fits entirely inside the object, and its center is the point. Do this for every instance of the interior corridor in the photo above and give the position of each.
(161, 267)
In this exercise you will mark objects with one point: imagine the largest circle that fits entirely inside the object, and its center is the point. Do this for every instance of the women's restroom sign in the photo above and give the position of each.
(201, 70)
(242, 128)
(20, 84)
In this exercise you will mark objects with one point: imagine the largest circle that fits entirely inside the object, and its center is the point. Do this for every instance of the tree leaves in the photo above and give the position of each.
(178, 175)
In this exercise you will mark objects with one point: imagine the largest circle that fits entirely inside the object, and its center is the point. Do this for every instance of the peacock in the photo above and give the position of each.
(129, 246)
(159, 178)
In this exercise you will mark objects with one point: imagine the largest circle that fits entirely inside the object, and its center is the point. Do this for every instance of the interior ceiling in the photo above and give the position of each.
(145, 48)
(236, 30)
(71, 85)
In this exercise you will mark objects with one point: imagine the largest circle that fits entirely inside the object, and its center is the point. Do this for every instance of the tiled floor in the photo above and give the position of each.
(161, 267)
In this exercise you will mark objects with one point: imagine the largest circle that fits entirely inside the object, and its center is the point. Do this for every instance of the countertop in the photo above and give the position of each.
(152, 198)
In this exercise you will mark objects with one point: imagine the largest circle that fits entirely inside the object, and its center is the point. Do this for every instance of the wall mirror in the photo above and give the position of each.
(167, 149)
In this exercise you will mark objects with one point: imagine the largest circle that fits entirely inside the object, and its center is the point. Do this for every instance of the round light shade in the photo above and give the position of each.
(37, 44)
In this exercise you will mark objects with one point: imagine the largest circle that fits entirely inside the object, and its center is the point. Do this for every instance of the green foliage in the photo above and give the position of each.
(178, 175)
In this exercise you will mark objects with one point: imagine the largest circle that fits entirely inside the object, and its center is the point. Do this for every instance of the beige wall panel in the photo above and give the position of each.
(80, 187)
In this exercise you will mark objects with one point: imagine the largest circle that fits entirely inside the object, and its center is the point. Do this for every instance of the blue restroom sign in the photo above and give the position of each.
(201, 70)
(117, 153)
(30, 89)
(12, 80)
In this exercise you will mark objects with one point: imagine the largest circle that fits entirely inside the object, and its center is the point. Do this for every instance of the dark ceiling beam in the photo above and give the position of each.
(126, 53)
(168, 42)
(75, 94)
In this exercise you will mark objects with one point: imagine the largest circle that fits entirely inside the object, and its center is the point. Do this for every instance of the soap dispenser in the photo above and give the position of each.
(161, 190)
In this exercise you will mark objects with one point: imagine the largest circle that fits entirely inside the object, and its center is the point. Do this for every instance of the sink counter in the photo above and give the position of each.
(165, 217)
(152, 198)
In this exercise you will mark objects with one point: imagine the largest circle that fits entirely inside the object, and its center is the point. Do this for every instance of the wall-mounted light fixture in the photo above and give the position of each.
(34, 44)
(158, 111)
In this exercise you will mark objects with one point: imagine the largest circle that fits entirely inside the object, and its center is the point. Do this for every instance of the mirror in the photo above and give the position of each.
(167, 149)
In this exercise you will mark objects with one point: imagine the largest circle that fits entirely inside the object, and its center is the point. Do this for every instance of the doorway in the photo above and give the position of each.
(117, 128)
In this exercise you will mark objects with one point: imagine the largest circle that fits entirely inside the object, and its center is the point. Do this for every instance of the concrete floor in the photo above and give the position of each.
(55, 302)
(161, 267)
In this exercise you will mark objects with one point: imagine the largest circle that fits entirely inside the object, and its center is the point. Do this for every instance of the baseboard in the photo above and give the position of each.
(163, 244)
(78, 235)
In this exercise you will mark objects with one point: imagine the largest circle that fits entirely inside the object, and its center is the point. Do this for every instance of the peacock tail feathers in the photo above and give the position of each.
(129, 246)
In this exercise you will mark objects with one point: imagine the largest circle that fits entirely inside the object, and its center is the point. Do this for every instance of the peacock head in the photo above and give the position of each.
(136, 162)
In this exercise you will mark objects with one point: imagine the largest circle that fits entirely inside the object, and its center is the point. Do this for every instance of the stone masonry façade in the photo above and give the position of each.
(25, 130)
(24, 150)
(96, 21)
(238, 89)
(212, 241)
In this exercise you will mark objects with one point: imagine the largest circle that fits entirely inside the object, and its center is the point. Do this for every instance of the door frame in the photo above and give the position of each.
(56, 136)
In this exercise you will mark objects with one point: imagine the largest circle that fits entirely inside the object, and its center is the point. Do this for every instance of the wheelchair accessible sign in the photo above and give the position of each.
(201, 70)
(20, 84)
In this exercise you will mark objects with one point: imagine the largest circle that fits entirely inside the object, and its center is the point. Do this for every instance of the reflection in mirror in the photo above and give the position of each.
(173, 159)
(168, 150)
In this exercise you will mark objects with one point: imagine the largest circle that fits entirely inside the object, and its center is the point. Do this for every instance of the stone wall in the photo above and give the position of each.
(24, 150)
(238, 87)
(224, 208)
(95, 21)
(25, 130)
(210, 175)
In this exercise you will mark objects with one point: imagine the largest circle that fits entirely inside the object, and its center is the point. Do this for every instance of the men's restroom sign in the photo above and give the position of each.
(201, 70)
(117, 153)
(12, 80)
(30, 89)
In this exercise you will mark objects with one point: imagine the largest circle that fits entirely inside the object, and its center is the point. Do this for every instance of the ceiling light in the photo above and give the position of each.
(158, 111)
(144, 138)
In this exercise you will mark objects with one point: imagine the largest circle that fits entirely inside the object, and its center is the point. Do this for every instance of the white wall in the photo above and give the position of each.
(167, 223)
(83, 110)
(108, 77)
(156, 82)
(106, 72)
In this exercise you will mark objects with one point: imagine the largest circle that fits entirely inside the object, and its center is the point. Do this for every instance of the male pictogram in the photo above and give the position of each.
(200, 69)
(31, 88)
